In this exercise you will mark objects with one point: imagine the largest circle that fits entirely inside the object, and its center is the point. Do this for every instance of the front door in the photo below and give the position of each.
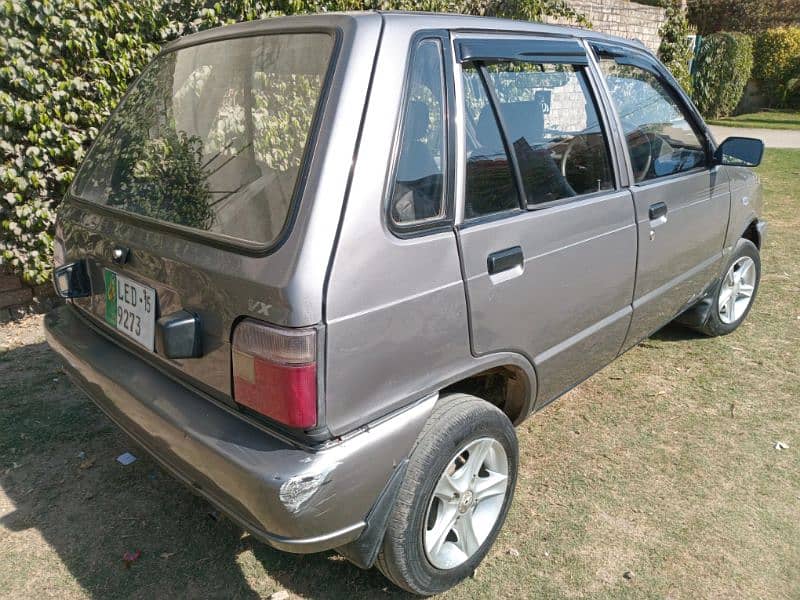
(682, 201)
(548, 236)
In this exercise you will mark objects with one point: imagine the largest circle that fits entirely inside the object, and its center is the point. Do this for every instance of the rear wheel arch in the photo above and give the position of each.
(752, 233)
(506, 386)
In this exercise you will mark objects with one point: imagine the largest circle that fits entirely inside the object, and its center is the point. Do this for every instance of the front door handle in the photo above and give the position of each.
(503, 260)
(657, 210)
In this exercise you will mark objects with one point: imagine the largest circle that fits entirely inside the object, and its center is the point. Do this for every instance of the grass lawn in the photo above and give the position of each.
(662, 465)
(767, 119)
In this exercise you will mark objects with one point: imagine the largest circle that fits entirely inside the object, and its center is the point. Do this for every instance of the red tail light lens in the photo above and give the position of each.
(275, 372)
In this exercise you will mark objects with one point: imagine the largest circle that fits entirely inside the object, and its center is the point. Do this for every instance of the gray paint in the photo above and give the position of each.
(684, 252)
(572, 295)
(399, 318)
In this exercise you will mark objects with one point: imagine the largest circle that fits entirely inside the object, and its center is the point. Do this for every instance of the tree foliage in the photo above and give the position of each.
(723, 67)
(675, 50)
(66, 64)
(748, 16)
(777, 64)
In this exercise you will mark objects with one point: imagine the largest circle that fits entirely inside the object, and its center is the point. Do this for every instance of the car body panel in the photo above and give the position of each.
(568, 308)
(680, 254)
(746, 205)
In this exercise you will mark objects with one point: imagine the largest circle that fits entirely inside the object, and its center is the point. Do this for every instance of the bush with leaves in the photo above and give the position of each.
(777, 64)
(722, 70)
(66, 64)
(675, 50)
(790, 95)
(747, 16)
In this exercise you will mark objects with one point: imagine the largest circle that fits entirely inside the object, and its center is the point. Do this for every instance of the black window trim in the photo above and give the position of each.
(221, 240)
(446, 220)
(641, 59)
(522, 49)
(603, 120)
(494, 102)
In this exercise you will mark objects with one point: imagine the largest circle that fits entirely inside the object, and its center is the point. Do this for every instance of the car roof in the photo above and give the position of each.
(422, 20)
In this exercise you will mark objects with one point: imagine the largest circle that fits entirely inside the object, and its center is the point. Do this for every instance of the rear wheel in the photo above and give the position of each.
(454, 498)
(734, 296)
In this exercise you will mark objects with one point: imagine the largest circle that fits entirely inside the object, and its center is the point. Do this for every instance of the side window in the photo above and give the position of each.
(418, 190)
(551, 121)
(490, 184)
(660, 139)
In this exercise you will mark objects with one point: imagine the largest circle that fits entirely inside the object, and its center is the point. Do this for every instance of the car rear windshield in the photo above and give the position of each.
(213, 136)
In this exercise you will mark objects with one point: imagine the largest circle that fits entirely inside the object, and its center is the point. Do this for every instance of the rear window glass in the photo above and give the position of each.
(212, 136)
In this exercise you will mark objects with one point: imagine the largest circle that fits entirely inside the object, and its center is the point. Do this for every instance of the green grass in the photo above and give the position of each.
(662, 464)
(767, 119)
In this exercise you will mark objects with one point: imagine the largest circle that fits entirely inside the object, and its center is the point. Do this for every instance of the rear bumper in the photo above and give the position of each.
(294, 498)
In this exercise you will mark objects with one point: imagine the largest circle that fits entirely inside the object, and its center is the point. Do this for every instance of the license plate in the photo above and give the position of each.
(131, 308)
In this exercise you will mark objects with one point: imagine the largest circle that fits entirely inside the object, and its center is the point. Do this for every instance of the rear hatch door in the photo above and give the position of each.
(188, 196)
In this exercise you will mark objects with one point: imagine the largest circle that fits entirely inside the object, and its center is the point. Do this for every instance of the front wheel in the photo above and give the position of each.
(454, 498)
(736, 292)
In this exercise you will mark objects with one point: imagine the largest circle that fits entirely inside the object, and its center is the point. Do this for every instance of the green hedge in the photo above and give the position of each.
(66, 63)
(777, 64)
(722, 69)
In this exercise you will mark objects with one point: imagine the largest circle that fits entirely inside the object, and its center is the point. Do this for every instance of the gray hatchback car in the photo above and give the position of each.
(319, 267)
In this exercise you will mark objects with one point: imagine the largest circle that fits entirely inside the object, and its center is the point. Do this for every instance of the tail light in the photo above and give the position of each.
(275, 372)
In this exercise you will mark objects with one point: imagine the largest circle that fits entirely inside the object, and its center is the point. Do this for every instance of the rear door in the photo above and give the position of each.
(548, 238)
(186, 199)
(682, 201)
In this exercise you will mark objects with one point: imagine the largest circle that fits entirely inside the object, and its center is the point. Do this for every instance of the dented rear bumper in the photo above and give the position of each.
(295, 498)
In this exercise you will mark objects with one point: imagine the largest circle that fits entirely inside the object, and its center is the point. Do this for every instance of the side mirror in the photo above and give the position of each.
(740, 152)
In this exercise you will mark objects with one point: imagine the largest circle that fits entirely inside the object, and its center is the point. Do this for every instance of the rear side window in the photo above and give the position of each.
(213, 136)
(550, 118)
(418, 192)
(660, 138)
(548, 114)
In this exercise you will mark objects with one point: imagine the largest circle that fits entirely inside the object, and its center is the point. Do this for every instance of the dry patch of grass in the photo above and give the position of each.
(662, 465)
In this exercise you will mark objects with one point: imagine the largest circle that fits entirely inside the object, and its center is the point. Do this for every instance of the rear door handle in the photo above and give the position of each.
(657, 210)
(503, 260)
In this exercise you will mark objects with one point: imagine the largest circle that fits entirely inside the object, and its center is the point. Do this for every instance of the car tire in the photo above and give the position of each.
(461, 427)
(742, 272)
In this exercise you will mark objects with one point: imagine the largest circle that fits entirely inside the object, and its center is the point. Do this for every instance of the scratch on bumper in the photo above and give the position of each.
(301, 488)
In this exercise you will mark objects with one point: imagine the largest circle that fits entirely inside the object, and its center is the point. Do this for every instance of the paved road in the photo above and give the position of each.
(773, 138)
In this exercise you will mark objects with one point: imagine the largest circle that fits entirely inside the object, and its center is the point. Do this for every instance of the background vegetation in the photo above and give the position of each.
(777, 65)
(747, 16)
(66, 64)
(676, 50)
(772, 26)
(722, 69)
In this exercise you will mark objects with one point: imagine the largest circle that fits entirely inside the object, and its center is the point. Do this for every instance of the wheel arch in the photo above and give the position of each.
(505, 386)
(753, 233)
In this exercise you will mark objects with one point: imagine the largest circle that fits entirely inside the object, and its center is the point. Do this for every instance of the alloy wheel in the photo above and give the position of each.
(736, 292)
(466, 503)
